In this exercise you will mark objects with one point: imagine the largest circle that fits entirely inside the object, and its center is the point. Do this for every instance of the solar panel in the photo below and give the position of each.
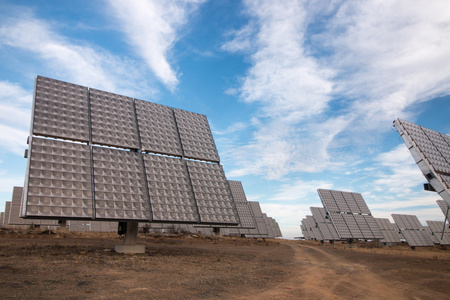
(325, 226)
(59, 183)
(7, 212)
(61, 110)
(113, 120)
(444, 207)
(163, 167)
(212, 193)
(314, 228)
(170, 189)
(436, 229)
(350, 215)
(14, 218)
(196, 136)
(119, 185)
(431, 152)
(389, 231)
(412, 230)
(157, 128)
(2, 218)
(242, 205)
(304, 228)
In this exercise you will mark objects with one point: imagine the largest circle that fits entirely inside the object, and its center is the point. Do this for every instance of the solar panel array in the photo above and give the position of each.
(389, 231)
(431, 152)
(412, 230)
(444, 207)
(304, 227)
(324, 224)
(437, 228)
(164, 167)
(242, 205)
(350, 215)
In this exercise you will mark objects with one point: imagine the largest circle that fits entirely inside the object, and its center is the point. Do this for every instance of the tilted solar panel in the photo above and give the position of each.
(431, 152)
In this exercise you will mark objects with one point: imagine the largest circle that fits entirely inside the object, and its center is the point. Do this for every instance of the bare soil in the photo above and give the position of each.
(46, 265)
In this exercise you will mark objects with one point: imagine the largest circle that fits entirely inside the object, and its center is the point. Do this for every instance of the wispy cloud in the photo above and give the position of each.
(333, 78)
(68, 60)
(15, 112)
(151, 28)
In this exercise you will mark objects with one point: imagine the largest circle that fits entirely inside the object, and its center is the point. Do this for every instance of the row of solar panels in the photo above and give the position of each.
(406, 227)
(254, 223)
(341, 219)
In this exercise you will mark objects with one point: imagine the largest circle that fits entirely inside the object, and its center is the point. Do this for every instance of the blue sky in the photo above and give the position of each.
(300, 95)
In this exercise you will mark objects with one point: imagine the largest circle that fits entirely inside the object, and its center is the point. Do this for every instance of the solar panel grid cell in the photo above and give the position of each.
(59, 183)
(157, 128)
(113, 120)
(196, 136)
(211, 192)
(119, 185)
(61, 110)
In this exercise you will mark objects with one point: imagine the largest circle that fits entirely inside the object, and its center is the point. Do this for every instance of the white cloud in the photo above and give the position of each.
(151, 27)
(15, 112)
(81, 64)
(398, 172)
(335, 77)
(304, 191)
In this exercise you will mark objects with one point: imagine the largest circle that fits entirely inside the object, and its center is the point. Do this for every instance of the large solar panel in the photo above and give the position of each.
(2, 218)
(350, 215)
(389, 231)
(431, 152)
(164, 165)
(440, 233)
(412, 230)
(444, 207)
(325, 226)
(61, 110)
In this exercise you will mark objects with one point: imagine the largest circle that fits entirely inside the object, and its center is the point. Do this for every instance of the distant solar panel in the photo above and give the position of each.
(412, 230)
(304, 228)
(243, 208)
(431, 152)
(437, 228)
(314, 228)
(324, 223)
(350, 215)
(14, 218)
(389, 231)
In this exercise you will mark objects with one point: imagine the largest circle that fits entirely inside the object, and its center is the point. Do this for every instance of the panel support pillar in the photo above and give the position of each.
(130, 242)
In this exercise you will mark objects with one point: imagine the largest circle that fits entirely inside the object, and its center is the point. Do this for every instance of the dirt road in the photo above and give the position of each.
(83, 266)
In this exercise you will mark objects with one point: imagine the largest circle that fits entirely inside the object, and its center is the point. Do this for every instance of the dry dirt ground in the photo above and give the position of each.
(36, 265)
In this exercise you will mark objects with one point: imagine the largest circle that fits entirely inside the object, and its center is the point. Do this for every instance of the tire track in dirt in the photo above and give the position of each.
(317, 273)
